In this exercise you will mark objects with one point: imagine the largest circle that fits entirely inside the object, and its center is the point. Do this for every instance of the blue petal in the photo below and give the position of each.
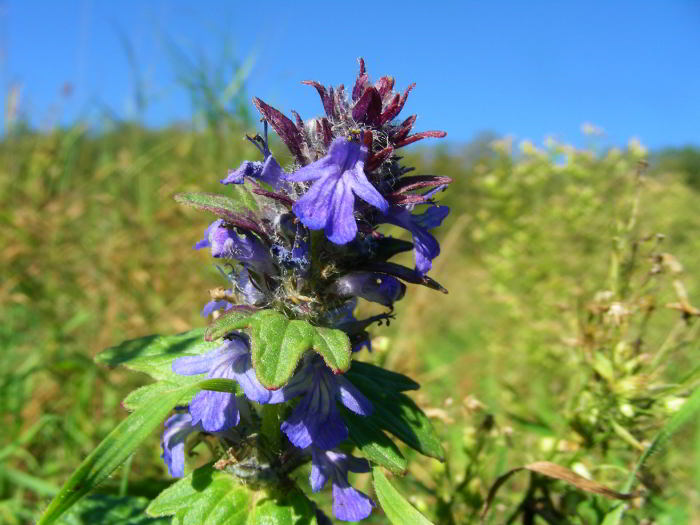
(352, 398)
(332, 431)
(320, 470)
(315, 421)
(197, 364)
(213, 306)
(246, 169)
(272, 173)
(245, 286)
(222, 242)
(204, 243)
(432, 217)
(244, 373)
(346, 154)
(295, 427)
(174, 458)
(350, 504)
(216, 411)
(425, 246)
(341, 227)
(314, 208)
(299, 384)
(425, 249)
(177, 428)
(364, 190)
(321, 168)
(330, 202)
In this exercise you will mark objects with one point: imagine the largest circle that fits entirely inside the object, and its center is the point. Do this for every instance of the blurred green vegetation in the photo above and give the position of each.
(95, 251)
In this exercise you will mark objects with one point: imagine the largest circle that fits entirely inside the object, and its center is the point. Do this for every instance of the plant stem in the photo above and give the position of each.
(270, 427)
(668, 343)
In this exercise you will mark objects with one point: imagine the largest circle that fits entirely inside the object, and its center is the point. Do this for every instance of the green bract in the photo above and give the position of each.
(278, 343)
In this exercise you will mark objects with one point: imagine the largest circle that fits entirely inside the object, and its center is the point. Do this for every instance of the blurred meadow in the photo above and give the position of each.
(566, 335)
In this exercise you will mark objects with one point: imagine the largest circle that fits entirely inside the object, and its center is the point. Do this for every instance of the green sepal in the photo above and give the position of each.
(397, 509)
(211, 497)
(154, 354)
(398, 414)
(374, 444)
(278, 343)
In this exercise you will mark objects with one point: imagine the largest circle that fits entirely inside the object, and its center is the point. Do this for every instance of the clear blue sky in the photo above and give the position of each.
(525, 68)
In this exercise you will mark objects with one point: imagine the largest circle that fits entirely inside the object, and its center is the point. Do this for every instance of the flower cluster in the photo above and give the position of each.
(309, 250)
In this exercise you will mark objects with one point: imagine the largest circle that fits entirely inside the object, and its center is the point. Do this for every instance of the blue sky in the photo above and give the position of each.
(529, 68)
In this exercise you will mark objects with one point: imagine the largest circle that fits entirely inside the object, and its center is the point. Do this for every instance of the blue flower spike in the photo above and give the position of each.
(300, 258)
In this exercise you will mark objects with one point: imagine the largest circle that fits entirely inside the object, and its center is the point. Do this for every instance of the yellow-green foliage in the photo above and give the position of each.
(515, 361)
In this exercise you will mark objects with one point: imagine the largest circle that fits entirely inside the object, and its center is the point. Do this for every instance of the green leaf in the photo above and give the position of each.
(278, 343)
(242, 193)
(398, 414)
(397, 509)
(111, 510)
(154, 354)
(237, 212)
(212, 497)
(120, 443)
(216, 202)
(151, 393)
(374, 444)
(388, 379)
(401, 416)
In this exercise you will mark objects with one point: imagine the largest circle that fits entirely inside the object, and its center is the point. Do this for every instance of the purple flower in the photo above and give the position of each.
(330, 202)
(244, 285)
(226, 243)
(213, 306)
(294, 253)
(177, 428)
(268, 172)
(425, 246)
(348, 504)
(217, 411)
(316, 420)
(376, 287)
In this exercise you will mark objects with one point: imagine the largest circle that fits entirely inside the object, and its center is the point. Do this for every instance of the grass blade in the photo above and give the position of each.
(680, 418)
